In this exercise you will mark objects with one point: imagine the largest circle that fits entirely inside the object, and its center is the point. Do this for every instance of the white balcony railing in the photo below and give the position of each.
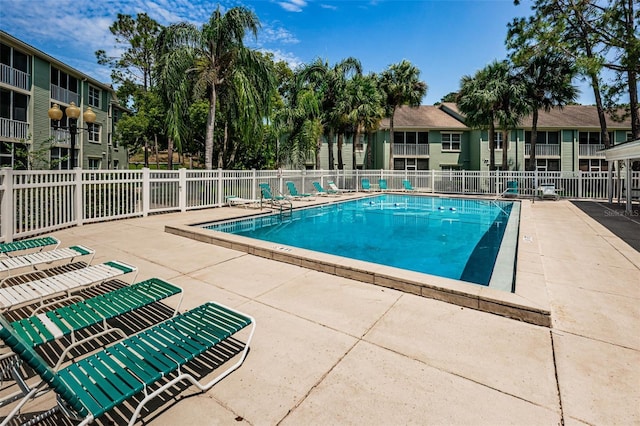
(590, 150)
(64, 95)
(14, 77)
(543, 150)
(411, 150)
(13, 129)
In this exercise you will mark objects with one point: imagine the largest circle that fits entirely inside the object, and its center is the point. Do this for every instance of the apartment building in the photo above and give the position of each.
(32, 82)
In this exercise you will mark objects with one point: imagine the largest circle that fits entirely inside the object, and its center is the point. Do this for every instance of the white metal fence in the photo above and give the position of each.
(35, 202)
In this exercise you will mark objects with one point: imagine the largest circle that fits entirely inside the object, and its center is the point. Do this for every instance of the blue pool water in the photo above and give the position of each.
(453, 238)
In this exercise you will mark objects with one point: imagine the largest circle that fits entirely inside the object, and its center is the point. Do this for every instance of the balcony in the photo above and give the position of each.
(12, 129)
(14, 77)
(61, 136)
(411, 150)
(543, 150)
(64, 95)
(589, 150)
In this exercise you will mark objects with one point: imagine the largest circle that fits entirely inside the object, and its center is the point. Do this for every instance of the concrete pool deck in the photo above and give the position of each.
(332, 350)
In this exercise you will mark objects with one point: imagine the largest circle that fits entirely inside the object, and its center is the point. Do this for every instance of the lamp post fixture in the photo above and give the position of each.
(73, 113)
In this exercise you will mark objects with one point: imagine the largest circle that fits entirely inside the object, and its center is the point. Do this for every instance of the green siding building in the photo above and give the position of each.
(31, 82)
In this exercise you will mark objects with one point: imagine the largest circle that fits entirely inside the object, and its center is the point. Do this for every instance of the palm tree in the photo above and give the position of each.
(213, 56)
(331, 82)
(401, 86)
(481, 97)
(364, 101)
(300, 120)
(547, 78)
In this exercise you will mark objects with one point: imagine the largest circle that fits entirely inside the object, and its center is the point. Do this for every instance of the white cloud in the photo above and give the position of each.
(293, 5)
(329, 6)
(288, 57)
(277, 35)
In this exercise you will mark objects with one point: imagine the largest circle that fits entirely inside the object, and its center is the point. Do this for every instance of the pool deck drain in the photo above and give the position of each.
(519, 305)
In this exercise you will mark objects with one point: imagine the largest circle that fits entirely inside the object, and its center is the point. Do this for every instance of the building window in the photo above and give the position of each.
(497, 140)
(94, 163)
(411, 137)
(398, 137)
(93, 131)
(593, 138)
(410, 164)
(59, 159)
(629, 137)
(544, 165)
(14, 155)
(451, 141)
(543, 137)
(94, 97)
(593, 165)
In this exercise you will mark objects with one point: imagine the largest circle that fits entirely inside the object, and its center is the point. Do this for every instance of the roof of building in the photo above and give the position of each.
(423, 116)
(448, 116)
(575, 117)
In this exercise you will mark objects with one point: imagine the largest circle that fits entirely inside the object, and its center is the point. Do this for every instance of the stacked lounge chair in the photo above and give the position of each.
(147, 363)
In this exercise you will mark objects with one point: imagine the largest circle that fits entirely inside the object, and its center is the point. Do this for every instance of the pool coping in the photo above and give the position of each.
(529, 303)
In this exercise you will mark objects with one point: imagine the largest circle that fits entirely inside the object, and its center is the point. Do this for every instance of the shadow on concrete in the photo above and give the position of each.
(614, 217)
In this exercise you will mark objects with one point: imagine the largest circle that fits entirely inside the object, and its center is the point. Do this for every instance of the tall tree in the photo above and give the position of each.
(481, 98)
(331, 83)
(136, 38)
(547, 77)
(401, 85)
(596, 34)
(217, 53)
(364, 102)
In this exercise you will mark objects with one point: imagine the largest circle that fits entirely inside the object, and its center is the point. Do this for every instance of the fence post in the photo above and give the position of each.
(6, 224)
(580, 184)
(464, 182)
(219, 191)
(254, 184)
(433, 180)
(182, 189)
(146, 191)
(79, 197)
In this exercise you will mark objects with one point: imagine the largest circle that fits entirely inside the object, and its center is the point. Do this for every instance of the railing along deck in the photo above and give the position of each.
(36, 202)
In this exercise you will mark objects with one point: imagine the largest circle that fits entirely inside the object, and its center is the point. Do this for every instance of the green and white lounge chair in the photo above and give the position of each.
(382, 184)
(407, 186)
(293, 192)
(35, 259)
(268, 196)
(320, 191)
(41, 290)
(48, 326)
(334, 188)
(30, 244)
(365, 184)
(90, 387)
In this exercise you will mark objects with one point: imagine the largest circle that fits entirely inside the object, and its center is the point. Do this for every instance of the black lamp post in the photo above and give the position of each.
(73, 113)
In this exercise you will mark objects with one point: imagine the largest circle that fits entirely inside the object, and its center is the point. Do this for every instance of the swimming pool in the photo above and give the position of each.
(448, 237)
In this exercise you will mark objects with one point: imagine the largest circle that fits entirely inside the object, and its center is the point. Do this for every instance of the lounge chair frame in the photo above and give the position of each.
(68, 320)
(321, 192)
(39, 244)
(44, 289)
(94, 385)
(36, 259)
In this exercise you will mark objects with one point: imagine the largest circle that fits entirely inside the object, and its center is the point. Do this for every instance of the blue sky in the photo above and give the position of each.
(445, 39)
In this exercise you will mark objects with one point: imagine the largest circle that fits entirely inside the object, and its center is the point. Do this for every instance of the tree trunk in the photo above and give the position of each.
(356, 138)
(211, 123)
(318, 148)
(391, 139)
(146, 152)
(505, 150)
(170, 154)
(330, 146)
(155, 143)
(533, 165)
(492, 146)
(340, 143)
